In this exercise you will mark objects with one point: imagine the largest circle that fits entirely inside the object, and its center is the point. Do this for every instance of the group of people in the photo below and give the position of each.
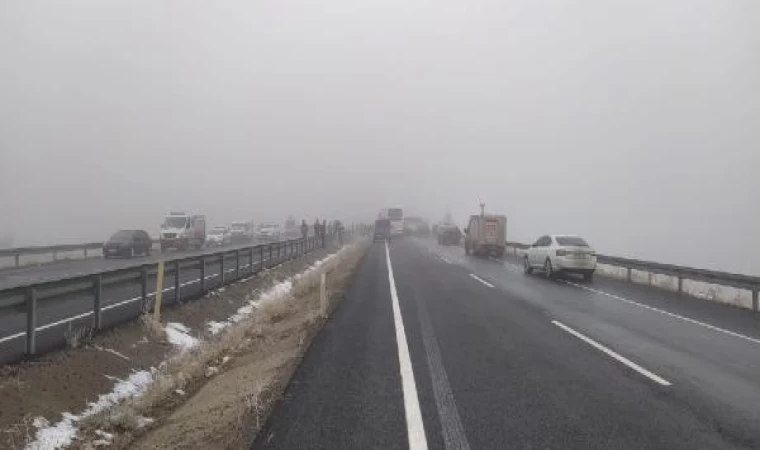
(323, 230)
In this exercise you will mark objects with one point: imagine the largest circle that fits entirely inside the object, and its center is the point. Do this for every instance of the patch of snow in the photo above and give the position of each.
(226, 359)
(143, 422)
(215, 327)
(179, 392)
(211, 371)
(104, 435)
(63, 433)
(105, 439)
(178, 334)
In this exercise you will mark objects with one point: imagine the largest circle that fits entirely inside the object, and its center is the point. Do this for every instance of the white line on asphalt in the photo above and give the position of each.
(68, 319)
(614, 355)
(415, 429)
(662, 311)
(123, 302)
(477, 278)
(11, 337)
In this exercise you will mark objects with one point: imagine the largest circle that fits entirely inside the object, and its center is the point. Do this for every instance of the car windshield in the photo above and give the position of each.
(571, 241)
(175, 222)
(122, 236)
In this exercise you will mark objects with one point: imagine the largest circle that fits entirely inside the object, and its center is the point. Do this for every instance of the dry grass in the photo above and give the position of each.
(17, 436)
(153, 329)
(294, 317)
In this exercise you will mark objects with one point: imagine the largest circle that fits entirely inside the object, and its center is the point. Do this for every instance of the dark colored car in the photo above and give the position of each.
(128, 243)
(382, 230)
(449, 235)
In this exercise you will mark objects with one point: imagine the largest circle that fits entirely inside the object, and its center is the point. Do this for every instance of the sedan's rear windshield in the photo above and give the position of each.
(571, 241)
(123, 236)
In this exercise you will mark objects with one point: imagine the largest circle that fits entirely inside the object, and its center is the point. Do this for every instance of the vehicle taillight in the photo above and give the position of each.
(561, 252)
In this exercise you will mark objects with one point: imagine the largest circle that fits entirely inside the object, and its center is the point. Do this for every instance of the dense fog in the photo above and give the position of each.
(632, 123)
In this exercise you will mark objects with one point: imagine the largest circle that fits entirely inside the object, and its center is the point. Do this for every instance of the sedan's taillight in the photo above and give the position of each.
(561, 252)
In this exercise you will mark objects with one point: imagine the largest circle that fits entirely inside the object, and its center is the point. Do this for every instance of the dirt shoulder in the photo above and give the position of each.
(230, 382)
(72, 379)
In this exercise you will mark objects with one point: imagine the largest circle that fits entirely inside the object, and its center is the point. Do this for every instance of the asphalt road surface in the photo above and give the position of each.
(432, 349)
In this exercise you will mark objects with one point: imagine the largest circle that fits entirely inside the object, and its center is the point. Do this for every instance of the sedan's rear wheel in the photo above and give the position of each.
(527, 269)
(548, 269)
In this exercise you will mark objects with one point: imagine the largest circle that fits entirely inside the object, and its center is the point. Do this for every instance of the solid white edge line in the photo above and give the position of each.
(415, 428)
(12, 337)
(68, 319)
(667, 313)
(477, 278)
(657, 379)
(123, 302)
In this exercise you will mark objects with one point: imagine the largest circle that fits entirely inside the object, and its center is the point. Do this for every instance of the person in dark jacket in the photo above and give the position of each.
(304, 229)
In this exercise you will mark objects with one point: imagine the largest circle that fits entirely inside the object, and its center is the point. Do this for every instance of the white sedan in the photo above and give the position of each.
(555, 254)
(219, 235)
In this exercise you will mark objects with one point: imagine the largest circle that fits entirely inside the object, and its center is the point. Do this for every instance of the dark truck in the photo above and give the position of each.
(486, 235)
(449, 234)
(382, 230)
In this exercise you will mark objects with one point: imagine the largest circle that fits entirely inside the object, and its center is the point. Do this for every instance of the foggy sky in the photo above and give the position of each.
(632, 123)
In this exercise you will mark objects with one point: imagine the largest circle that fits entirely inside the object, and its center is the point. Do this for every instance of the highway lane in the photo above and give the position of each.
(73, 267)
(121, 303)
(504, 360)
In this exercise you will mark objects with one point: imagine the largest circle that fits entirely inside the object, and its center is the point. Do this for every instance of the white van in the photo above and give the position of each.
(182, 230)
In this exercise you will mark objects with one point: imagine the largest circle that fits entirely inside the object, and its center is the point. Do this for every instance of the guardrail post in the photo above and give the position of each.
(177, 284)
(628, 276)
(97, 287)
(680, 285)
(755, 303)
(279, 256)
(203, 275)
(261, 258)
(237, 263)
(649, 278)
(55, 256)
(17, 258)
(85, 253)
(31, 321)
(270, 255)
(221, 269)
(144, 288)
(250, 261)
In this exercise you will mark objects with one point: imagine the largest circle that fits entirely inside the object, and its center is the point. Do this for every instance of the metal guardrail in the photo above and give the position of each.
(29, 295)
(682, 273)
(54, 250)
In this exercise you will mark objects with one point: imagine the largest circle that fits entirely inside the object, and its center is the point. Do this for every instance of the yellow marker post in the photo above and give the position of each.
(159, 291)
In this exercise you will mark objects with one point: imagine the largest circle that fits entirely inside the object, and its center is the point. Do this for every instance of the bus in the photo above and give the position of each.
(396, 217)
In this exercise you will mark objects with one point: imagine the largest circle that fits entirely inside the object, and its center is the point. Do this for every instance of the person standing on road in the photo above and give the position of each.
(304, 229)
